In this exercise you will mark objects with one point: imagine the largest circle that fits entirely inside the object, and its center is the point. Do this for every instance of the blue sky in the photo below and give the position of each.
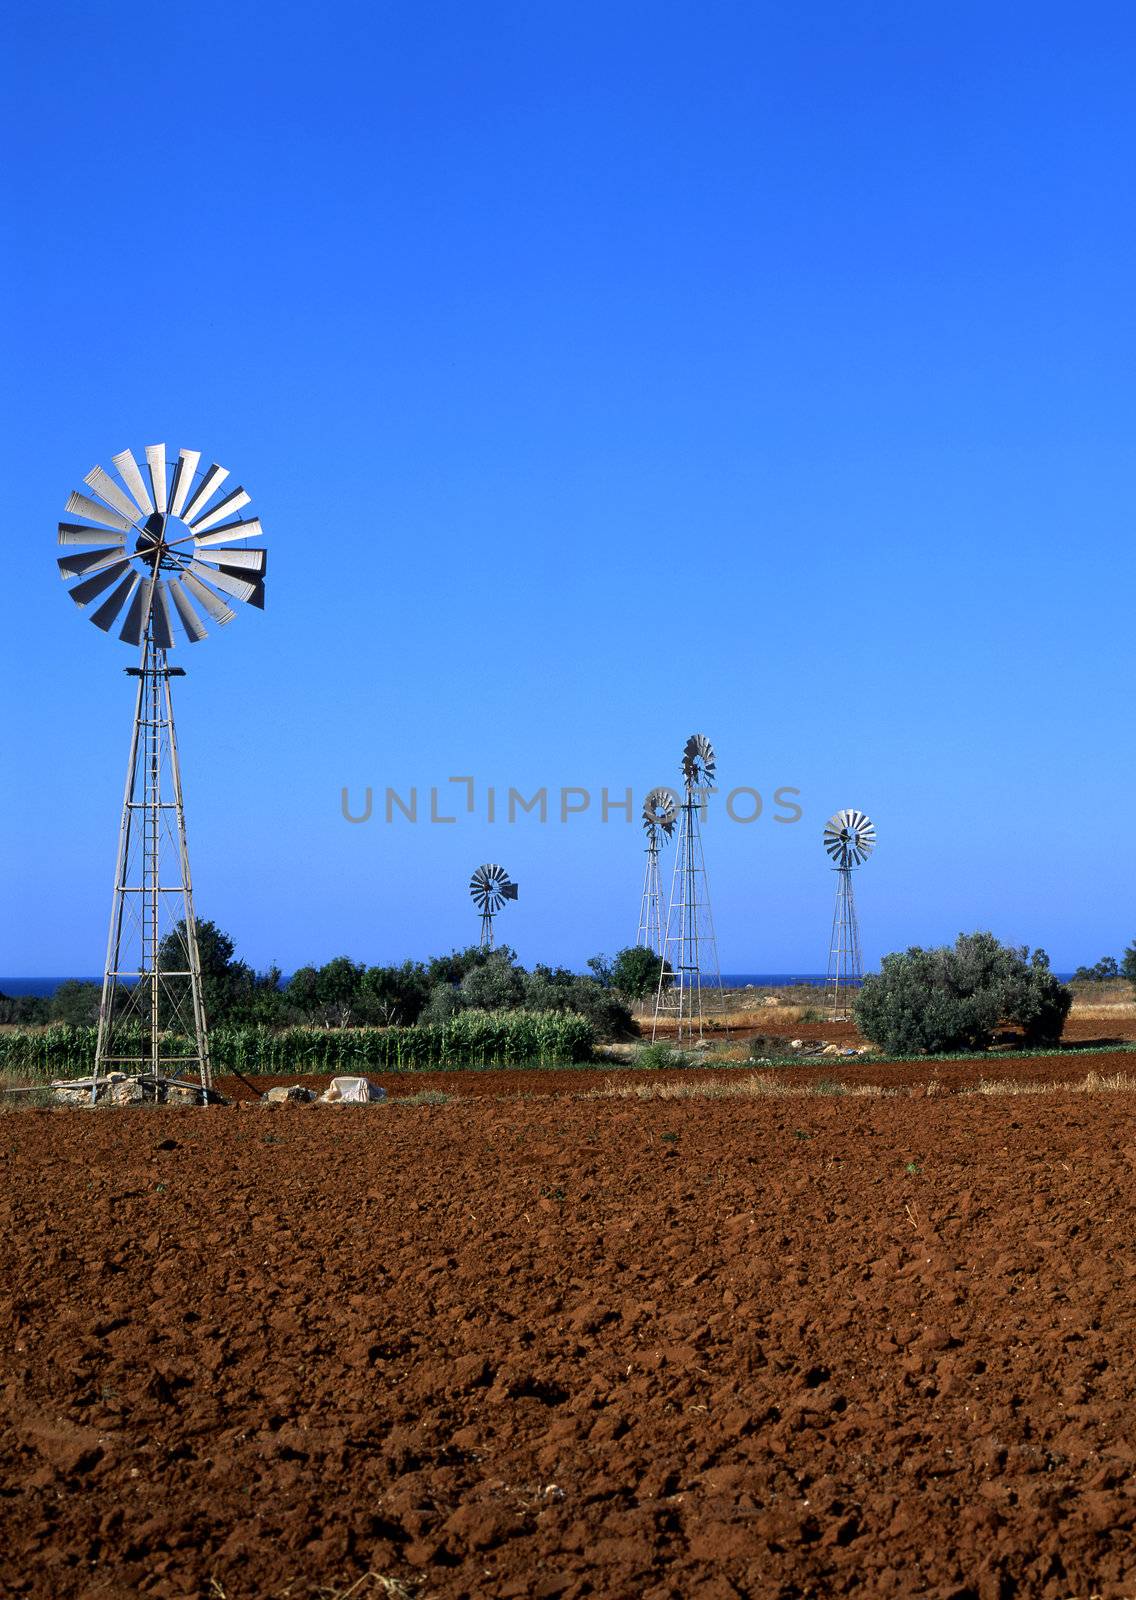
(600, 373)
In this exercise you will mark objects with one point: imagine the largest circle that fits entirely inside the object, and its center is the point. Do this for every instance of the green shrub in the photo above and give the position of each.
(953, 998)
(635, 972)
(660, 1057)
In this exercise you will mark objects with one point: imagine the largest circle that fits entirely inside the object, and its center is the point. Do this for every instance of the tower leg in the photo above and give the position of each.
(650, 935)
(845, 966)
(197, 997)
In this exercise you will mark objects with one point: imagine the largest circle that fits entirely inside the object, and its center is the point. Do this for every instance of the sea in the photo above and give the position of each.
(730, 980)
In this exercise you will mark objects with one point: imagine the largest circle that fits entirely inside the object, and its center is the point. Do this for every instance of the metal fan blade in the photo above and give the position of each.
(254, 559)
(156, 461)
(250, 529)
(161, 623)
(83, 593)
(212, 603)
(187, 464)
(190, 621)
(76, 533)
(113, 604)
(207, 488)
(240, 587)
(103, 484)
(90, 561)
(139, 613)
(127, 469)
(81, 506)
(256, 598)
(232, 502)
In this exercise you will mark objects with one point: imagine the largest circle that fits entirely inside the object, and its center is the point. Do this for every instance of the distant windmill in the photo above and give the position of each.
(660, 811)
(690, 949)
(164, 547)
(490, 887)
(849, 838)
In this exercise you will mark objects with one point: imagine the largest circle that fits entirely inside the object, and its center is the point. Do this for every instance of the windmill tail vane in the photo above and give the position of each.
(158, 553)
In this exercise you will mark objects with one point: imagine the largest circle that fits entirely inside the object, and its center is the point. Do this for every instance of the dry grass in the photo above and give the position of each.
(757, 1086)
(1103, 1001)
(761, 1019)
(1093, 1083)
(767, 1086)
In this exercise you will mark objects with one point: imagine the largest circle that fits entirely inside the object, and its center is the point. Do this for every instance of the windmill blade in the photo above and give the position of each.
(90, 561)
(241, 587)
(161, 622)
(242, 575)
(83, 593)
(190, 621)
(183, 476)
(127, 469)
(76, 533)
(249, 529)
(103, 484)
(224, 508)
(156, 461)
(206, 489)
(80, 505)
(138, 614)
(212, 603)
(110, 608)
(254, 559)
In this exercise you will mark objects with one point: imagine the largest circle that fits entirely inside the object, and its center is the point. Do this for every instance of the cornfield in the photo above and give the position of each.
(470, 1039)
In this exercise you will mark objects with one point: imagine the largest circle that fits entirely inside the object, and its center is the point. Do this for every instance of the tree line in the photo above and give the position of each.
(343, 993)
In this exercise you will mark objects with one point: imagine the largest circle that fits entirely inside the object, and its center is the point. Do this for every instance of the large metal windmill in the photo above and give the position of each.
(158, 550)
(490, 887)
(849, 838)
(660, 811)
(690, 949)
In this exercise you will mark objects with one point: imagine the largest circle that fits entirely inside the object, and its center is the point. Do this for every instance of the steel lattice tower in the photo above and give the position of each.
(690, 949)
(849, 838)
(152, 996)
(660, 810)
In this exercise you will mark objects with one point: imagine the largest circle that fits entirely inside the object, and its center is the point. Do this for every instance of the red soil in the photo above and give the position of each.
(558, 1347)
(949, 1076)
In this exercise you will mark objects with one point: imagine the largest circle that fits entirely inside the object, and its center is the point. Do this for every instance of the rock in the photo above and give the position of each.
(281, 1093)
(352, 1091)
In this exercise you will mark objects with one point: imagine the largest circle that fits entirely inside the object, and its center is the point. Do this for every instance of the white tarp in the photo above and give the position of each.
(352, 1092)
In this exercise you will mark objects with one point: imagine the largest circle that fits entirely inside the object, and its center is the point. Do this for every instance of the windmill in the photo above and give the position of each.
(690, 949)
(162, 550)
(660, 810)
(849, 838)
(490, 887)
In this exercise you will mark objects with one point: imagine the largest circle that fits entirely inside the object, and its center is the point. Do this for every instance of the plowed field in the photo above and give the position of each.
(560, 1346)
